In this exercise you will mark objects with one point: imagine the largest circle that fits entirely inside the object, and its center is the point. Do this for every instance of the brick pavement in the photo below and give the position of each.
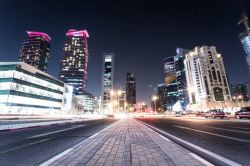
(127, 142)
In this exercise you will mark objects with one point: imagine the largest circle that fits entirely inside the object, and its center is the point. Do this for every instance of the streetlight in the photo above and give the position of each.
(154, 98)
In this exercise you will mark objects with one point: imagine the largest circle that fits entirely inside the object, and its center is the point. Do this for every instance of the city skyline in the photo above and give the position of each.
(122, 36)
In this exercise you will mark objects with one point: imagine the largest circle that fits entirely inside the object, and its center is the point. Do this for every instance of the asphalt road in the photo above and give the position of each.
(230, 139)
(31, 147)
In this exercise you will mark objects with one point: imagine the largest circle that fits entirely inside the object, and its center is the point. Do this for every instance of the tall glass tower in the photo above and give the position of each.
(35, 50)
(74, 64)
(130, 89)
(245, 39)
(107, 81)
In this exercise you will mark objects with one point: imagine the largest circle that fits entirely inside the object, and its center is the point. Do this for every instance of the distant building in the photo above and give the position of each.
(122, 101)
(88, 101)
(239, 90)
(207, 81)
(181, 76)
(245, 39)
(74, 64)
(161, 102)
(170, 89)
(107, 81)
(27, 90)
(131, 89)
(35, 50)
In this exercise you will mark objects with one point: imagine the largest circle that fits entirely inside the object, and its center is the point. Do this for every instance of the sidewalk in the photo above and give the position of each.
(127, 142)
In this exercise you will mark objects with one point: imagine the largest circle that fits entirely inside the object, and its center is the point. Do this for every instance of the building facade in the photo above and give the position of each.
(27, 90)
(88, 101)
(74, 64)
(245, 39)
(131, 89)
(35, 50)
(107, 81)
(181, 76)
(239, 91)
(207, 81)
(170, 88)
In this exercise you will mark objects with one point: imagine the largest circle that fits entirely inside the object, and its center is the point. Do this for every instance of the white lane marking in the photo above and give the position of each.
(214, 134)
(24, 146)
(164, 137)
(54, 132)
(239, 127)
(70, 149)
(159, 134)
(238, 131)
(56, 157)
(218, 157)
(205, 162)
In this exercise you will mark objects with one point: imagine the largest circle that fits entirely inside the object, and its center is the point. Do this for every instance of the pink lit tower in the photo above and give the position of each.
(35, 50)
(74, 64)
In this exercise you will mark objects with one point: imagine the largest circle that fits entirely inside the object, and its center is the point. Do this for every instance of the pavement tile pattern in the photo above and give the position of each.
(127, 143)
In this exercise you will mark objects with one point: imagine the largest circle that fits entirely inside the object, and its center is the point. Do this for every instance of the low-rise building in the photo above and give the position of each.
(26, 90)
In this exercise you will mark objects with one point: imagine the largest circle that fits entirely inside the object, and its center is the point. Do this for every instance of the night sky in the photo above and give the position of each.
(140, 33)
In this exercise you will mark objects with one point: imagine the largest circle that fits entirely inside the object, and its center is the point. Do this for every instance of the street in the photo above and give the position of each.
(227, 138)
(36, 145)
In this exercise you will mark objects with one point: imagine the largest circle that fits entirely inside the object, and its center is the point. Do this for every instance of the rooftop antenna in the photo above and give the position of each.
(244, 18)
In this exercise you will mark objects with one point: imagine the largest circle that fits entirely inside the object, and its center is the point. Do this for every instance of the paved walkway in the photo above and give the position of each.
(127, 142)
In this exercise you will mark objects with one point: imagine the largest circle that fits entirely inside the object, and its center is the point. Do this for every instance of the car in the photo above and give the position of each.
(243, 113)
(215, 113)
(111, 116)
(177, 114)
(199, 114)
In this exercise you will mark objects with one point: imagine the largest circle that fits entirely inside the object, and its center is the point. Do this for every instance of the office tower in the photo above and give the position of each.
(171, 90)
(245, 39)
(35, 50)
(131, 89)
(181, 76)
(161, 102)
(107, 81)
(74, 64)
(207, 81)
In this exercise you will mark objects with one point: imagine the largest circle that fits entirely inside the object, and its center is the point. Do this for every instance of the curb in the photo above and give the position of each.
(31, 127)
(198, 151)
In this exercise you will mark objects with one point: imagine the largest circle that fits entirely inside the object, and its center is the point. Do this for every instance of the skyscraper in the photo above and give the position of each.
(181, 76)
(170, 90)
(245, 39)
(107, 81)
(131, 89)
(74, 64)
(35, 50)
(206, 77)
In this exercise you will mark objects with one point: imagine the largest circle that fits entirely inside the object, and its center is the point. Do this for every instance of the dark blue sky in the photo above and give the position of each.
(140, 34)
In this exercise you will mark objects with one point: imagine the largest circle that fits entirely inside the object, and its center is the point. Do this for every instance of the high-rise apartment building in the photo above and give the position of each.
(74, 64)
(206, 77)
(131, 89)
(245, 39)
(107, 81)
(35, 50)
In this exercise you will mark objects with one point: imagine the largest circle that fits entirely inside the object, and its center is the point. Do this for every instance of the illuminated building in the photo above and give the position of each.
(239, 90)
(170, 91)
(35, 50)
(107, 81)
(88, 101)
(74, 64)
(245, 39)
(27, 90)
(131, 89)
(206, 77)
(181, 76)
